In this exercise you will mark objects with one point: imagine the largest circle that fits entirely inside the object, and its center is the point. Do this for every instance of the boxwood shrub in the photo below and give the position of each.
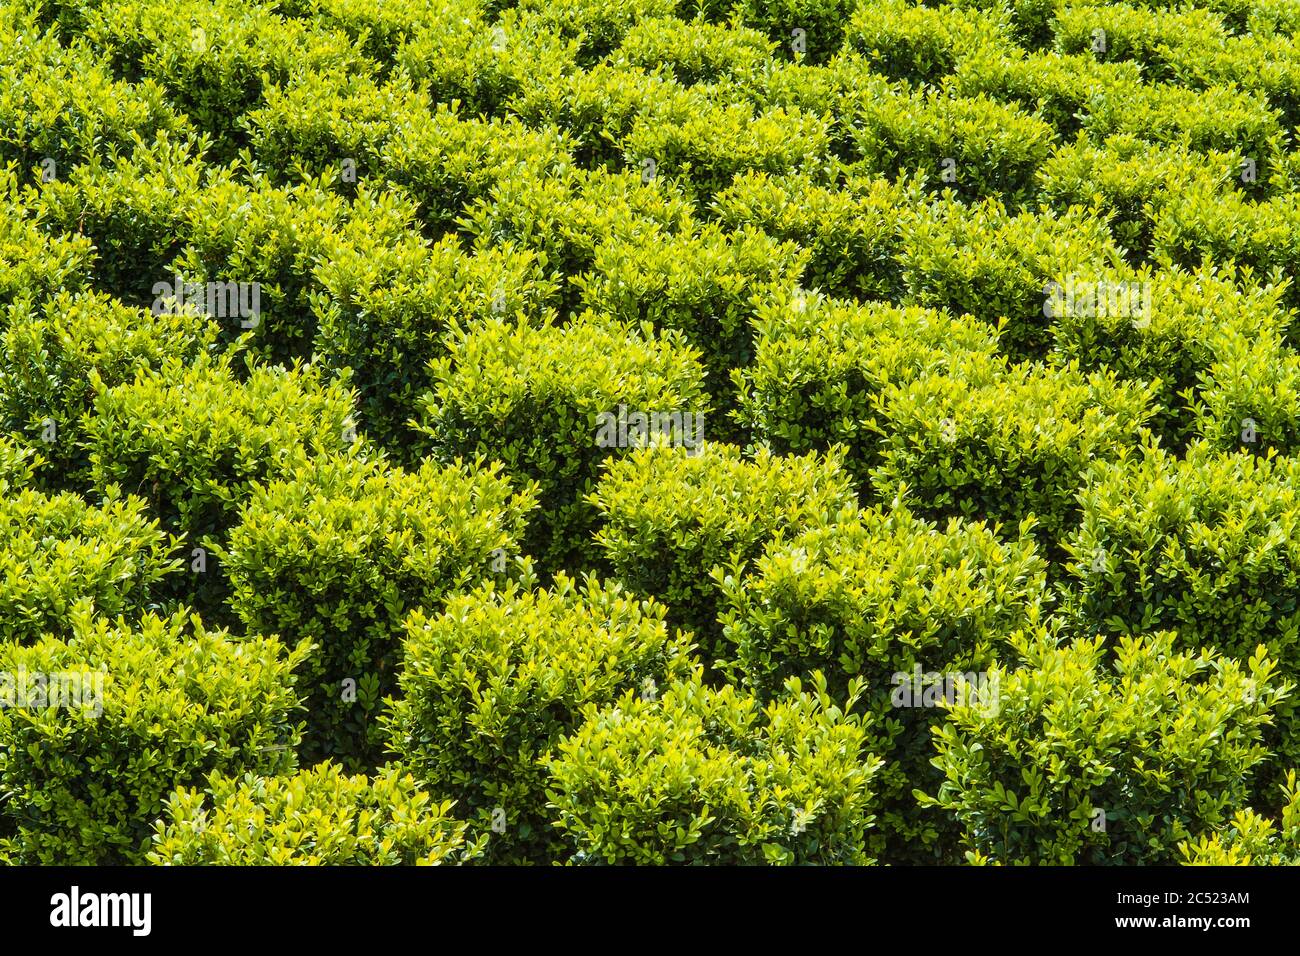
(973, 146)
(313, 122)
(54, 358)
(145, 708)
(388, 301)
(57, 551)
(316, 817)
(983, 261)
(565, 219)
(820, 365)
(493, 682)
(339, 550)
(1049, 85)
(1249, 398)
(711, 776)
(551, 404)
(135, 210)
(708, 147)
(1201, 544)
(706, 286)
(823, 22)
(1090, 762)
(1018, 446)
(1251, 838)
(869, 600)
(78, 108)
(669, 516)
(494, 59)
(1128, 180)
(445, 161)
(695, 51)
(192, 439)
(271, 237)
(214, 59)
(36, 261)
(852, 231)
(921, 44)
(1181, 330)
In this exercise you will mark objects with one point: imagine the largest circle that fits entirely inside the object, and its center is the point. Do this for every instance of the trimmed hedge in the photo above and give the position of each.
(907, 41)
(1206, 544)
(1018, 446)
(1181, 330)
(973, 146)
(53, 361)
(192, 439)
(820, 366)
(317, 817)
(339, 550)
(172, 702)
(552, 404)
(852, 231)
(566, 219)
(389, 301)
(983, 261)
(1088, 763)
(705, 776)
(57, 552)
(135, 209)
(707, 286)
(670, 516)
(873, 600)
(1128, 180)
(545, 655)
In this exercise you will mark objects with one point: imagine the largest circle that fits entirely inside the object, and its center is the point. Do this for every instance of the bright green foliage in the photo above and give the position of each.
(550, 403)
(982, 261)
(270, 237)
(445, 161)
(193, 439)
(339, 550)
(670, 516)
(1250, 838)
(56, 551)
(696, 52)
(712, 777)
(1017, 446)
(1208, 545)
(389, 301)
(565, 219)
(214, 58)
(974, 146)
(706, 286)
(712, 144)
(134, 210)
(1250, 397)
(1056, 88)
(144, 709)
(75, 109)
(546, 655)
(822, 21)
(316, 817)
(1088, 762)
(821, 364)
(1129, 180)
(53, 360)
(907, 41)
(1183, 329)
(874, 600)
(852, 231)
(33, 263)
